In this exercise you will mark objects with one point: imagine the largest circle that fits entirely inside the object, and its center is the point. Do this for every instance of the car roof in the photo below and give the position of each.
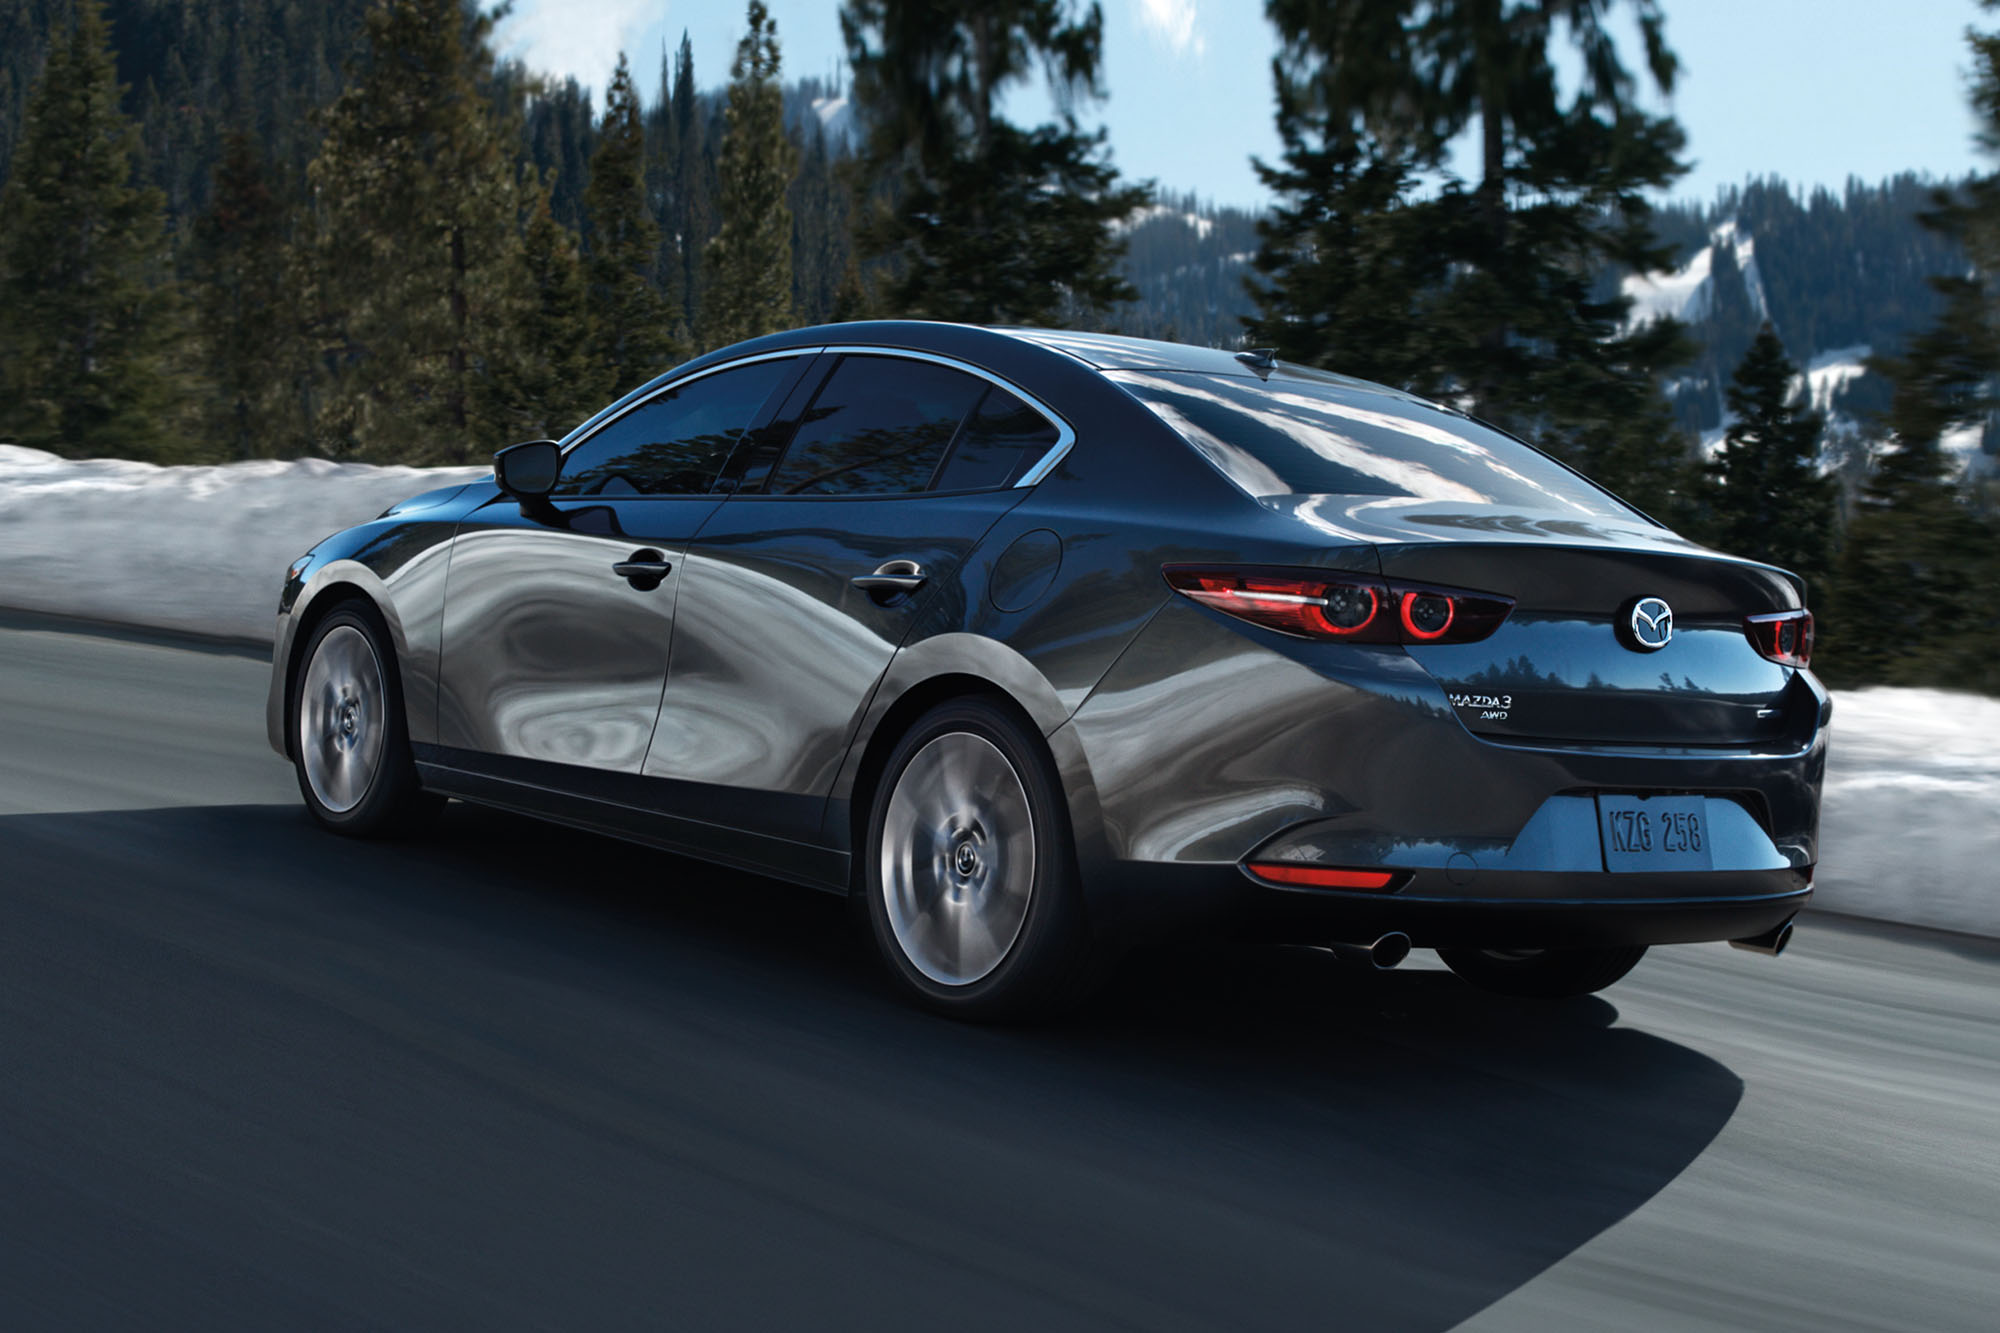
(1103, 353)
(1112, 351)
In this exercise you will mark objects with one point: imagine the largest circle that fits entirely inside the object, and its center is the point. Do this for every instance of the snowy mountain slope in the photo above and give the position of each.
(1821, 270)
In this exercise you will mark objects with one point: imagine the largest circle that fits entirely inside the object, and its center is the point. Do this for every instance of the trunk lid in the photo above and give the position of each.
(1568, 664)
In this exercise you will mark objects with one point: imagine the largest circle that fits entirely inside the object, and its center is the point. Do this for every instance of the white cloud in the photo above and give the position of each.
(1174, 22)
(580, 38)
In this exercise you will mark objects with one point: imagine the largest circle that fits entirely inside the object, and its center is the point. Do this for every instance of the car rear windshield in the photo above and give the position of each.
(1293, 436)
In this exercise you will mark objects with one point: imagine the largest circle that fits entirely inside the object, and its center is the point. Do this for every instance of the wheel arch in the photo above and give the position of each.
(343, 583)
(935, 671)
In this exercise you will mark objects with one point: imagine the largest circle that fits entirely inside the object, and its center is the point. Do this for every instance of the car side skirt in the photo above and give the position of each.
(650, 811)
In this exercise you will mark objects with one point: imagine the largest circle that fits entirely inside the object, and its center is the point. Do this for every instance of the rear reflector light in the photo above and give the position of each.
(1321, 877)
(1785, 638)
(1348, 607)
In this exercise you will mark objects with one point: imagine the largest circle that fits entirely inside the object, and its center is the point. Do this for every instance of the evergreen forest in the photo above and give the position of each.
(235, 229)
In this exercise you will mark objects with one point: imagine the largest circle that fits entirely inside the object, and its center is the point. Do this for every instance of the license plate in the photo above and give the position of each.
(1654, 832)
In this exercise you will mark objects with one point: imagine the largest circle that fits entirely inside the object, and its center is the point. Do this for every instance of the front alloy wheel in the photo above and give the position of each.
(349, 745)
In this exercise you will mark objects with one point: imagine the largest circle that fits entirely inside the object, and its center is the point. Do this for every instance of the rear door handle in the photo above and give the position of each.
(892, 580)
(644, 569)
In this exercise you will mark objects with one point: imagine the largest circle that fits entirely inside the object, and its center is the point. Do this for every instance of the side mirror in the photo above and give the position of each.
(528, 471)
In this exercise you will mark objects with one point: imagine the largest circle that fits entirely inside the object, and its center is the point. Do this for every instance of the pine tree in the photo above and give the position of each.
(554, 381)
(417, 256)
(750, 260)
(975, 218)
(1765, 495)
(663, 194)
(1340, 256)
(250, 350)
(90, 311)
(1918, 592)
(694, 203)
(632, 330)
(820, 230)
(1520, 328)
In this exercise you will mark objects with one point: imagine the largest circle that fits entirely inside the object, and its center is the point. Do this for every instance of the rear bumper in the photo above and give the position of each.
(1525, 912)
(1693, 915)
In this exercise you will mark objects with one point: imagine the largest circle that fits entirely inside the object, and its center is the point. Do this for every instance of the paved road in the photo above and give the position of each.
(252, 1076)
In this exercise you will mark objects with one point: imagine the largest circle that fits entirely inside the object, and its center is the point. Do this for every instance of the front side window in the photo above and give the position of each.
(675, 442)
(878, 426)
(1308, 437)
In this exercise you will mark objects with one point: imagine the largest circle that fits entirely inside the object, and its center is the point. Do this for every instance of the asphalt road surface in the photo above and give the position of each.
(254, 1076)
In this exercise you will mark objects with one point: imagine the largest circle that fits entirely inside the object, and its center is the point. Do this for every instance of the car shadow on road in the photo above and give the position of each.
(1229, 1137)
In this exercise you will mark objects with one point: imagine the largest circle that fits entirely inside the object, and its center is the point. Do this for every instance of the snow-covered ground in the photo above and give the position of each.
(1911, 828)
(189, 548)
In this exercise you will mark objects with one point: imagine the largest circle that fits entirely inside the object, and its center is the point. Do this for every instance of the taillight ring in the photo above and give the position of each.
(1410, 626)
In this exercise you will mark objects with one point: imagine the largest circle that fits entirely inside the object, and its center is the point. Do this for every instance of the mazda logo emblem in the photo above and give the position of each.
(1652, 623)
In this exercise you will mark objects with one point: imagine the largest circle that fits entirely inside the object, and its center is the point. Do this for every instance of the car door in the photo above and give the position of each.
(805, 582)
(559, 613)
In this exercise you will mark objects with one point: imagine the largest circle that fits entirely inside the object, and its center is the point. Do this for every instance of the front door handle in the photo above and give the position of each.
(897, 578)
(644, 569)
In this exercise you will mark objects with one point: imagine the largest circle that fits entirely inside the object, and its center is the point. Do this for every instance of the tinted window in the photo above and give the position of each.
(1302, 437)
(878, 427)
(675, 443)
(1004, 438)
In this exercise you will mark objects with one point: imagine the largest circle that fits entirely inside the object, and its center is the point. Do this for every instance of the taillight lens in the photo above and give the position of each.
(1785, 637)
(1345, 607)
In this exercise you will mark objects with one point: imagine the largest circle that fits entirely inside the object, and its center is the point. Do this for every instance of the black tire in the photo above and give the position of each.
(335, 732)
(1543, 974)
(917, 895)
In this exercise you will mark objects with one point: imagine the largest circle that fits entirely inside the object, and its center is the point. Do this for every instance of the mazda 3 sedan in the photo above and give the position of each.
(1039, 642)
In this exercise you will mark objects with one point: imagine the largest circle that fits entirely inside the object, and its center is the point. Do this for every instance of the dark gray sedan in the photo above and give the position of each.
(1039, 642)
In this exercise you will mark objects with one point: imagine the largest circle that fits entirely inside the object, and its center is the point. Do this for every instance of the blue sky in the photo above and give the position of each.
(1814, 90)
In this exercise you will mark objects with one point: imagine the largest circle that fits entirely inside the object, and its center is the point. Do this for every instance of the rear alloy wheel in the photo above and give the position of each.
(968, 871)
(350, 747)
(1543, 974)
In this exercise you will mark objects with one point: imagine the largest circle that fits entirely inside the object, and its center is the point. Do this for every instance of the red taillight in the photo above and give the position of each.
(1351, 608)
(1785, 637)
(1427, 616)
(1312, 610)
(1321, 877)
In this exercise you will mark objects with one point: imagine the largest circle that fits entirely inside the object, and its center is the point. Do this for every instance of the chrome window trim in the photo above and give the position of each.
(590, 429)
(1065, 435)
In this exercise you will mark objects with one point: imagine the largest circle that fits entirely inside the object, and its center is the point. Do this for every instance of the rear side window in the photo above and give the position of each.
(879, 426)
(1004, 438)
(676, 442)
(1301, 437)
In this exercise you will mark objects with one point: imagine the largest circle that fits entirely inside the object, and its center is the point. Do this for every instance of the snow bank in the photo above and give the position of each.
(1911, 830)
(188, 548)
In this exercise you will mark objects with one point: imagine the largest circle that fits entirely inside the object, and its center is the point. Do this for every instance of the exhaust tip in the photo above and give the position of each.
(1384, 953)
(1771, 943)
